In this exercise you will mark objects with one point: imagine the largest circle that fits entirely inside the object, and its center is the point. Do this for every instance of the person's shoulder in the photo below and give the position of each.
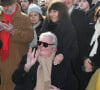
(19, 13)
(78, 11)
(24, 15)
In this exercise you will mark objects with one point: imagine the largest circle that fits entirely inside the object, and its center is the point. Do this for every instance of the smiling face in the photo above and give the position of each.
(46, 51)
(54, 16)
(34, 17)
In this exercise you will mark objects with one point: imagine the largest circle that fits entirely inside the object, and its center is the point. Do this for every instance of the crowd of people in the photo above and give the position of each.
(49, 44)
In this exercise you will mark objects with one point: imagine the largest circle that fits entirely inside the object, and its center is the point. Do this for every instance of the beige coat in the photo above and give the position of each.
(18, 46)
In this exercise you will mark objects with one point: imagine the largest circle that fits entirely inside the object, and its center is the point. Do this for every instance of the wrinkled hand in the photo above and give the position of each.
(9, 28)
(31, 59)
(54, 87)
(58, 59)
(87, 65)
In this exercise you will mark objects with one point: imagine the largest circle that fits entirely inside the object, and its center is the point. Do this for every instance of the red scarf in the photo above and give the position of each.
(5, 36)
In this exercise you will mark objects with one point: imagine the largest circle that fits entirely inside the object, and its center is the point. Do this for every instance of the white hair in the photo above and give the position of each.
(54, 40)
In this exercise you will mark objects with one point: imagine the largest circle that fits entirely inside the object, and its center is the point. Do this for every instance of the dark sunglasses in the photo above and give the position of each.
(44, 44)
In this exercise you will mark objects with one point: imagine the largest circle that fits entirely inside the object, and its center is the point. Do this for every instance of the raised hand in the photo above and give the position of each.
(31, 59)
(34, 56)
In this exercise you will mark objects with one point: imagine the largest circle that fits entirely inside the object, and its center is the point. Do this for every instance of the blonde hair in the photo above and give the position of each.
(97, 13)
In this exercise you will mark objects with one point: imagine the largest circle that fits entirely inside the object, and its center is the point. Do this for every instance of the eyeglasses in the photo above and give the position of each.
(44, 44)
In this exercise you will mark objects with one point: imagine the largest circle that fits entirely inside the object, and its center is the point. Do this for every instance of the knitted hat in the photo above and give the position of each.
(34, 8)
(7, 2)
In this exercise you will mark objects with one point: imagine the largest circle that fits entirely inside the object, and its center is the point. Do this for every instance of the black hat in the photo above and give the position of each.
(7, 2)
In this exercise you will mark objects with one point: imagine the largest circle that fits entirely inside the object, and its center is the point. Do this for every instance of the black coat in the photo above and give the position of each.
(27, 80)
(66, 35)
(67, 45)
(81, 25)
(85, 76)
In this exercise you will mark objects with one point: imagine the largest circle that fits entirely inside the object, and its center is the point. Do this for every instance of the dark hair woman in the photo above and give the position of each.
(59, 23)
